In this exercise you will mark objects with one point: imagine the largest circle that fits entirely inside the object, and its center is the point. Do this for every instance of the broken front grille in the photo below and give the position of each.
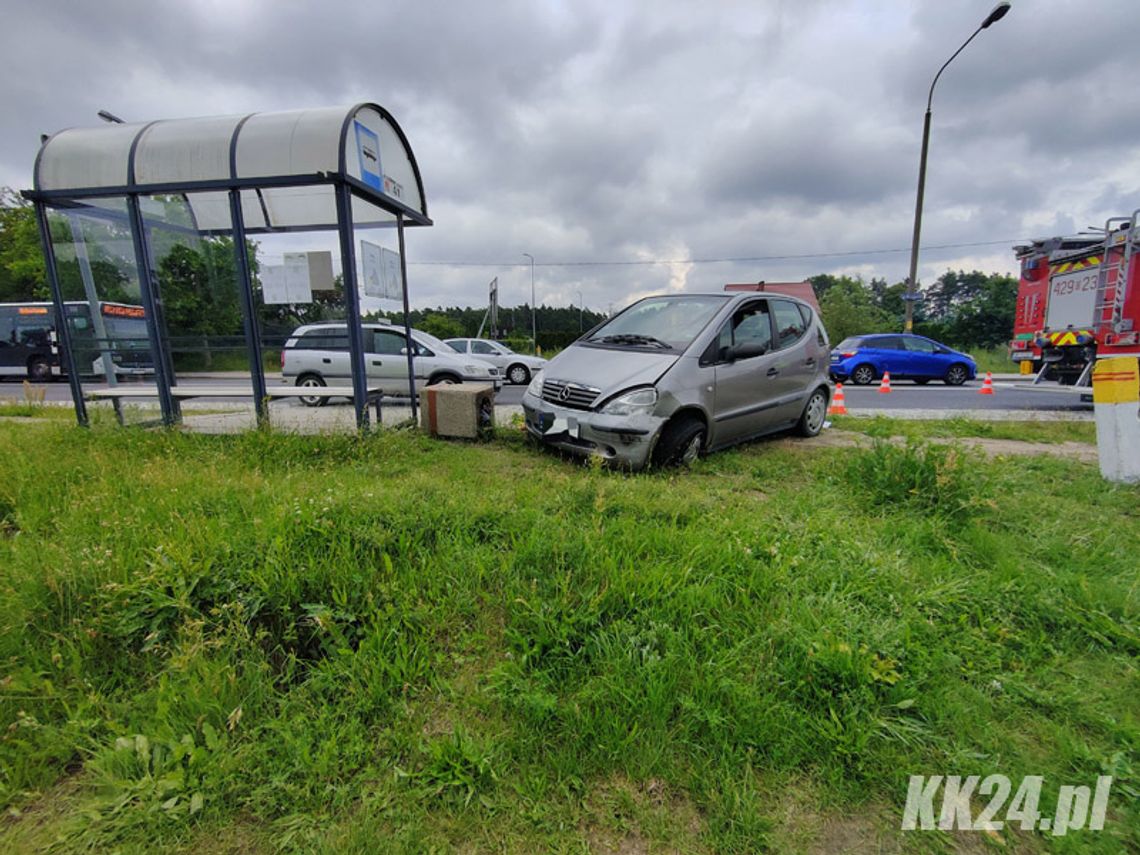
(573, 395)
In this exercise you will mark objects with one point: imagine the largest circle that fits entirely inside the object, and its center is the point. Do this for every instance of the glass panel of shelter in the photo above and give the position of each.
(106, 322)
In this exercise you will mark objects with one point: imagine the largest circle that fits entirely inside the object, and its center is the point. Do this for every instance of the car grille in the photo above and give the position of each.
(572, 395)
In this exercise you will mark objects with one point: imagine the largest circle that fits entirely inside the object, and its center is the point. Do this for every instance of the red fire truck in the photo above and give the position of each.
(1078, 299)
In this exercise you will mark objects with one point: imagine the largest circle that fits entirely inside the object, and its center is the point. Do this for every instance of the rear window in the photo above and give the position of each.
(323, 338)
(849, 344)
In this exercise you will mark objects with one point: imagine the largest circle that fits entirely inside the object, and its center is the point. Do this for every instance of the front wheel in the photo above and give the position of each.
(864, 375)
(680, 443)
(518, 374)
(312, 381)
(39, 370)
(956, 375)
(814, 414)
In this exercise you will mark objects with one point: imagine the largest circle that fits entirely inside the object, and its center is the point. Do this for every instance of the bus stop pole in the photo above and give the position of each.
(249, 310)
(352, 305)
(407, 324)
(154, 325)
(63, 334)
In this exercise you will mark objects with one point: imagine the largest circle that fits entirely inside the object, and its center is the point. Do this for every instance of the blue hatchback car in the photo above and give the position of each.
(863, 359)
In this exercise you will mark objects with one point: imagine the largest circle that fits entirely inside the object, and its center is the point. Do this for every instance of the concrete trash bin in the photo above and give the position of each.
(465, 410)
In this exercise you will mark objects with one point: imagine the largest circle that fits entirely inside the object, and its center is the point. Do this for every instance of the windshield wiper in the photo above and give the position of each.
(634, 339)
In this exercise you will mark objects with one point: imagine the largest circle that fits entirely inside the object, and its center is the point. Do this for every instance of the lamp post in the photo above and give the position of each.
(581, 312)
(533, 322)
(999, 12)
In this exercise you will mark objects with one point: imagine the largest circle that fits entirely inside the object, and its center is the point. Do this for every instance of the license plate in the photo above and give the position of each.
(1019, 355)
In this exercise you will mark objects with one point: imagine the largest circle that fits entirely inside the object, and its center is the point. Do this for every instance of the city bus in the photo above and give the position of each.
(29, 349)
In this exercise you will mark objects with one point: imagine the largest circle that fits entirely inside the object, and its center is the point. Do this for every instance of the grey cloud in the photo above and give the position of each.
(597, 131)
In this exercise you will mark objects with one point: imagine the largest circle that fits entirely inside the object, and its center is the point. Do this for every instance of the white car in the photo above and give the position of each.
(316, 354)
(516, 367)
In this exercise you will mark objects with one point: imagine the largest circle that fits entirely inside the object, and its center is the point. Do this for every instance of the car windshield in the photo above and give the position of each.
(849, 344)
(659, 323)
(438, 345)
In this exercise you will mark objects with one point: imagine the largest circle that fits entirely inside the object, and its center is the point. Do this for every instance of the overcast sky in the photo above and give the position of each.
(680, 132)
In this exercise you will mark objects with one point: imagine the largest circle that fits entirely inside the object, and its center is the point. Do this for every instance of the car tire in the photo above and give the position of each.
(814, 414)
(444, 380)
(39, 370)
(518, 374)
(956, 375)
(863, 375)
(680, 443)
(312, 381)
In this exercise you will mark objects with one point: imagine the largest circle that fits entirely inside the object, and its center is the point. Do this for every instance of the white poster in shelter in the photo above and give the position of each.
(288, 282)
(381, 269)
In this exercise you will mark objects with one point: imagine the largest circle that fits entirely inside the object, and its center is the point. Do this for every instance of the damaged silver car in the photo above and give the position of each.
(678, 375)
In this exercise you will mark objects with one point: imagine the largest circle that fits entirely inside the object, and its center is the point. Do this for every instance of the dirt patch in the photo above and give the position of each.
(35, 825)
(637, 818)
(993, 447)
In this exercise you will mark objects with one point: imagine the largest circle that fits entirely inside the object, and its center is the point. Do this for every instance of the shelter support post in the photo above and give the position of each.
(352, 304)
(410, 346)
(155, 327)
(249, 310)
(63, 331)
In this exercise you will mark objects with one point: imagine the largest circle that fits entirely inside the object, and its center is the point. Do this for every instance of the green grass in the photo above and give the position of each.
(960, 428)
(234, 359)
(995, 359)
(332, 644)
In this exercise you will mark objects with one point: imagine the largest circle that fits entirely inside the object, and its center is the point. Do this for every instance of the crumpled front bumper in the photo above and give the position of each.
(623, 440)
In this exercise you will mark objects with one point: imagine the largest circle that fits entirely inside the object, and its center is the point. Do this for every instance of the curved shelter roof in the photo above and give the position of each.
(285, 164)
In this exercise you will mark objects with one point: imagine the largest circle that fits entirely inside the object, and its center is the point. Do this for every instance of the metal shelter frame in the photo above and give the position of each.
(349, 180)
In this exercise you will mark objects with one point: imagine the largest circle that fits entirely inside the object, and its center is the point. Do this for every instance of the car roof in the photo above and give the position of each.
(325, 325)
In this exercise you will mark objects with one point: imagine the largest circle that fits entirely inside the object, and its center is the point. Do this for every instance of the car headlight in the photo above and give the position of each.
(535, 387)
(639, 402)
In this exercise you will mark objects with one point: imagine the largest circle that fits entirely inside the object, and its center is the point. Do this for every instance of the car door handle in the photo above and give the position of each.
(772, 372)
(376, 362)
(327, 361)
(810, 363)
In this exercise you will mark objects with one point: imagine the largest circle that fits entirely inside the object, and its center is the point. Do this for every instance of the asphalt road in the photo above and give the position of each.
(905, 395)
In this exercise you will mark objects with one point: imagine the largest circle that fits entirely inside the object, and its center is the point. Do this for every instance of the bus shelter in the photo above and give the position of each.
(120, 207)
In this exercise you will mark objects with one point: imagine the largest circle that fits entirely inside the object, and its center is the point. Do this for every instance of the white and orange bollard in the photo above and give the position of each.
(987, 385)
(1116, 401)
(885, 386)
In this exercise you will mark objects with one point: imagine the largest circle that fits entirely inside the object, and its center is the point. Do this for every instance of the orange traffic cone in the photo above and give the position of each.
(987, 385)
(885, 386)
(838, 405)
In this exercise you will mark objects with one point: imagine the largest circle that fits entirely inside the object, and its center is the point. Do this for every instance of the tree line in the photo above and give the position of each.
(197, 278)
(960, 308)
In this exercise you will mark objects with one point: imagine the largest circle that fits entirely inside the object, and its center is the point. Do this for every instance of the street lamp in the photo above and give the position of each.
(581, 312)
(999, 12)
(533, 322)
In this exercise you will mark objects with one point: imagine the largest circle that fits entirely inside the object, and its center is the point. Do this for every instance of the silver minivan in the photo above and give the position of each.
(676, 375)
(316, 354)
